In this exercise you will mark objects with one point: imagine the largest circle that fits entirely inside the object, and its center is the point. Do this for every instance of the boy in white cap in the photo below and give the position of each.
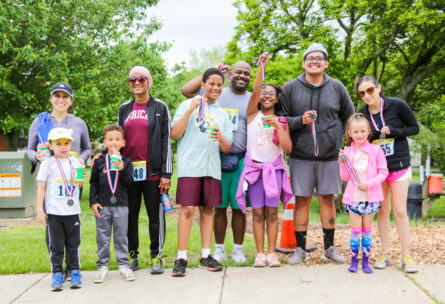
(59, 189)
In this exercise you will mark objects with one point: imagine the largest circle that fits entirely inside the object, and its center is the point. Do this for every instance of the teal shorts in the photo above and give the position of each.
(229, 186)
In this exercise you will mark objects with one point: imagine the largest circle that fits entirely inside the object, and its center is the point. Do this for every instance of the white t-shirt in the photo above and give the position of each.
(57, 199)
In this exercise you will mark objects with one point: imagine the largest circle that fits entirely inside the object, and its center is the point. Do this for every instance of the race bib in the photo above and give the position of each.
(139, 170)
(386, 144)
(233, 116)
(60, 189)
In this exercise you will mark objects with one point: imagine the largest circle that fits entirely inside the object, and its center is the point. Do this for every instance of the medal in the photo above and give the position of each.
(69, 188)
(343, 157)
(263, 86)
(312, 116)
(382, 136)
(382, 101)
(113, 186)
(70, 202)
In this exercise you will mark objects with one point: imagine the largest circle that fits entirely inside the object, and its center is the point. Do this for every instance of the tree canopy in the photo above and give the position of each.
(91, 45)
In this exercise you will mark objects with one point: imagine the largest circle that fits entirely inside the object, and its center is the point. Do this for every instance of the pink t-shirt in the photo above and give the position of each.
(136, 131)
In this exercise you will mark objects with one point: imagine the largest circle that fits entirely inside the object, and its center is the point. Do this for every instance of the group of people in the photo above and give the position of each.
(230, 144)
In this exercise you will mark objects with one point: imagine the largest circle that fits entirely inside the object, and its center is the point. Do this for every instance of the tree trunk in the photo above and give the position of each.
(12, 140)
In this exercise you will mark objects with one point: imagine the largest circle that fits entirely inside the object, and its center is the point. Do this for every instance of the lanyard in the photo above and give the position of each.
(263, 70)
(314, 136)
(116, 178)
(351, 171)
(382, 101)
(225, 69)
(69, 188)
(201, 110)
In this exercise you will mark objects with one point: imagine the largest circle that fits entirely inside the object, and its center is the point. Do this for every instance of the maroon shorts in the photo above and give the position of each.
(199, 191)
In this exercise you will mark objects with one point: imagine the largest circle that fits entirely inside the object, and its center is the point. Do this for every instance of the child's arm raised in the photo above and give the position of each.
(252, 108)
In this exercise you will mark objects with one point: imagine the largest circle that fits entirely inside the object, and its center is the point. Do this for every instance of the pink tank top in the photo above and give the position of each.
(260, 146)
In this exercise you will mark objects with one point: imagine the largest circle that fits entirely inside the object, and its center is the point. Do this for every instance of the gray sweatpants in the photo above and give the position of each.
(112, 218)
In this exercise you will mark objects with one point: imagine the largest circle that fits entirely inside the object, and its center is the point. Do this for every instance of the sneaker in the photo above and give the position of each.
(260, 260)
(272, 260)
(157, 266)
(408, 265)
(134, 264)
(383, 261)
(67, 276)
(210, 264)
(126, 273)
(298, 256)
(220, 254)
(179, 268)
(57, 281)
(76, 279)
(332, 254)
(238, 255)
(101, 274)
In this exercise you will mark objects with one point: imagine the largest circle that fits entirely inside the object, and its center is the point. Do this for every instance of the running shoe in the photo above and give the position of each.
(408, 265)
(298, 256)
(272, 260)
(179, 268)
(101, 274)
(57, 281)
(210, 264)
(134, 264)
(260, 260)
(383, 261)
(157, 266)
(238, 255)
(126, 273)
(220, 254)
(332, 254)
(76, 279)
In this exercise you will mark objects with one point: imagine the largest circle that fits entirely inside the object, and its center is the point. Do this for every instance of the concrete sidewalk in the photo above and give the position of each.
(287, 284)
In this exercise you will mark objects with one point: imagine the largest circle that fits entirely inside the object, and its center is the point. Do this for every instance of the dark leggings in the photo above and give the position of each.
(150, 190)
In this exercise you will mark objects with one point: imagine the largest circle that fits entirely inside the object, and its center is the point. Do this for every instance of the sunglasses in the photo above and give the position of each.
(140, 79)
(370, 91)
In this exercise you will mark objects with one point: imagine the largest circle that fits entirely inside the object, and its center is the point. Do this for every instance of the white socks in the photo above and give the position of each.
(205, 252)
(182, 254)
(236, 246)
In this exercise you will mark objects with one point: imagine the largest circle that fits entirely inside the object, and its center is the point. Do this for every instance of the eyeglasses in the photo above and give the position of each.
(140, 79)
(317, 59)
(370, 91)
(271, 94)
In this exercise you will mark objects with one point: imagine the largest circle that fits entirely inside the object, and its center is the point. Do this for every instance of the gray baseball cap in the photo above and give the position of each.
(315, 47)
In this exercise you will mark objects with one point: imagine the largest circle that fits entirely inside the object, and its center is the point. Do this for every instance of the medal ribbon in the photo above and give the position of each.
(382, 101)
(225, 69)
(107, 166)
(314, 136)
(352, 172)
(69, 189)
(262, 66)
(201, 110)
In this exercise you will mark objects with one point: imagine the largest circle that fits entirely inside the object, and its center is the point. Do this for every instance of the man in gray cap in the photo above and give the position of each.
(317, 107)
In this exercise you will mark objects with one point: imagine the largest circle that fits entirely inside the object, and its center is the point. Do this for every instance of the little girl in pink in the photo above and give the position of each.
(363, 166)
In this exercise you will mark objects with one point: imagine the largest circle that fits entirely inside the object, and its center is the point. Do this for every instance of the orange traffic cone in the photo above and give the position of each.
(288, 242)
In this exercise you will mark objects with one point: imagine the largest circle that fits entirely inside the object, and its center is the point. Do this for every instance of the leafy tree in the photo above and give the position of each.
(90, 44)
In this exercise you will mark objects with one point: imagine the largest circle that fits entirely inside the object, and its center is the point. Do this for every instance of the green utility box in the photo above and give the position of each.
(17, 186)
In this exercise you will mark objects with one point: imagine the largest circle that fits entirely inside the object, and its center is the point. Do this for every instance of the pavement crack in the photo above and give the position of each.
(222, 285)
(29, 287)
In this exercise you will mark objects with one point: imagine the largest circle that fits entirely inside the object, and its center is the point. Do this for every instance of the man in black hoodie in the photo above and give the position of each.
(317, 107)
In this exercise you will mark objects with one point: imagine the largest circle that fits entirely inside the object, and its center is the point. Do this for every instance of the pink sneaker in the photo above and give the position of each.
(272, 260)
(260, 260)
